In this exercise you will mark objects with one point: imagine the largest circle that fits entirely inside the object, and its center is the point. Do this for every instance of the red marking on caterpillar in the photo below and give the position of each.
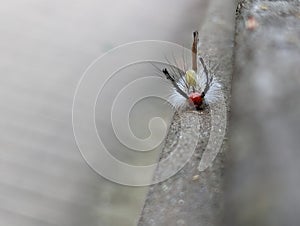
(196, 98)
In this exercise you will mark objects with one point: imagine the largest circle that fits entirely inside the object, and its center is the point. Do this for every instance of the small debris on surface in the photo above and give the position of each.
(196, 177)
(264, 7)
(251, 23)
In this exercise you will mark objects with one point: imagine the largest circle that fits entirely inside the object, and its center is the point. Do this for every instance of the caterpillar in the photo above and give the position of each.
(196, 86)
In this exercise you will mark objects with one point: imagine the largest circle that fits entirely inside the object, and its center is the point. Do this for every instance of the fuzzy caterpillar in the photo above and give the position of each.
(198, 87)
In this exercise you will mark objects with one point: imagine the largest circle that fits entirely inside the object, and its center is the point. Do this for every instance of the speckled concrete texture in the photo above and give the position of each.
(263, 179)
(192, 197)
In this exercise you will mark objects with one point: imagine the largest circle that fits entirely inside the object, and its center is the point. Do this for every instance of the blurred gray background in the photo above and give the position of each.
(45, 47)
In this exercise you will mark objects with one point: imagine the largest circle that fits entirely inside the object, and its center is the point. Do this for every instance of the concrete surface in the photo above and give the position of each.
(192, 197)
(263, 179)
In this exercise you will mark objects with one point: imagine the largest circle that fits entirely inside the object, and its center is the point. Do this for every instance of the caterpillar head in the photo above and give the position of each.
(197, 99)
